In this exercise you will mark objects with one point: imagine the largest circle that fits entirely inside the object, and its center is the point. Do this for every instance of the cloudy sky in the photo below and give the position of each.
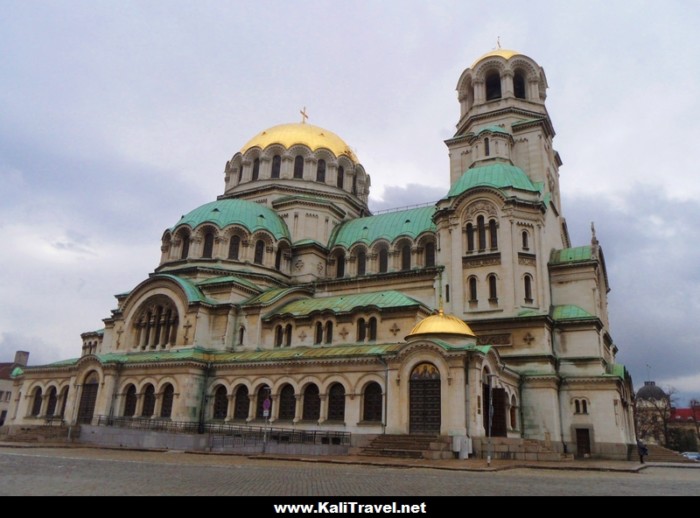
(118, 117)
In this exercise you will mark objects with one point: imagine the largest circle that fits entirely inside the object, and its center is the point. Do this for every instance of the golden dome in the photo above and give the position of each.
(441, 324)
(504, 53)
(309, 135)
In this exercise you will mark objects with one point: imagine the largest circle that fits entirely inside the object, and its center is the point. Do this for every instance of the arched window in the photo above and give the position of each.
(321, 171)
(472, 290)
(278, 336)
(220, 403)
(577, 406)
(256, 169)
(340, 266)
(259, 251)
(240, 173)
(341, 177)
(406, 257)
(470, 237)
(299, 167)
(288, 404)
(361, 330)
(318, 335)
(482, 232)
(372, 329)
(493, 234)
(584, 406)
(241, 335)
(526, 240)
(312, 403)
(208, 245)
(263, 394)
(372, 403)
(527, 281)
(166, 407)
(185, 246)
(336, 402)
(493, 293)
(383, 260)
(361, 262)
(51, 407)
(493, 86)
(329, 332)
(278, 259)
(430, 254)
(64, 400)
(487, 148)
(288, 335)
(130, 401)
(234, 247)
(519, 85)
(157, 324)
(149, 401)
(354, 184)
(241, 404)
(276, 164)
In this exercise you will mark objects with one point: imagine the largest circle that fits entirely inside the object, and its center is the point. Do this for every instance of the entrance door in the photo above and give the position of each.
(424, 397)
(88, 399)
(583, 442)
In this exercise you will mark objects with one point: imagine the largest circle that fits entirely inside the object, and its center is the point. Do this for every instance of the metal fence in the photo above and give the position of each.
(230, 434)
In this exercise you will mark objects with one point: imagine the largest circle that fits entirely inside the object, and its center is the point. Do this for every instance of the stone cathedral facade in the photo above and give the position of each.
(286, 301)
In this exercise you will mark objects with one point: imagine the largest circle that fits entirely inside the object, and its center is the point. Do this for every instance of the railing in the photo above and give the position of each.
(229, 434)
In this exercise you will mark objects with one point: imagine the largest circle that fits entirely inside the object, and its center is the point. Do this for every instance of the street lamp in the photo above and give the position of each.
(488, 453)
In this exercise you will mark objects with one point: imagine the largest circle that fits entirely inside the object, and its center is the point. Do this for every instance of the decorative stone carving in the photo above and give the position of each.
(499, 339)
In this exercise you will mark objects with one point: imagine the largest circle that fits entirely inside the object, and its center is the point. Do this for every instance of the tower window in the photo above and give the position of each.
(528, 288)
(493, 86)
(288, 335)
(276, 165)
(470, 237)
(430, 254)
(493, 293)
(372, 329)
(482, 232)
(318, 336)
(256, 168)
(208, 245)
(361, 330)
(329, 332)
(472, 290)
(406, 257)
(321, 171)
(493, 234)
(341, 177)
(340, 266)
(519, 85)
(383, 260)
(361, 262)
(526, 240)
(259, 251)
(487, 148)
(299, 167)
(234, 247)
(185, 246)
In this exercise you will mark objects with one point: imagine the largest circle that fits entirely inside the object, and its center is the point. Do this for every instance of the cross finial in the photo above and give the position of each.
(498, 41)
(304, 116)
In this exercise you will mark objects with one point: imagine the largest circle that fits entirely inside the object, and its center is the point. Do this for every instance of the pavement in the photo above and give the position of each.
(468, 464)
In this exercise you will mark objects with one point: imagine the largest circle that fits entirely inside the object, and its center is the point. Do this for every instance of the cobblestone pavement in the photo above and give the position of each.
(93, 471)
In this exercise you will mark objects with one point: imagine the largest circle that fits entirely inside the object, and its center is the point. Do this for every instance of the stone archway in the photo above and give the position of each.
(424, 400)
(88, 398)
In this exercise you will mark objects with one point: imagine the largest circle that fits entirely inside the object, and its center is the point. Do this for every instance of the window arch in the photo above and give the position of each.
(234, 247)
(276, 166)
(288, 402)
(487, 147)
(241, 404)
(383, 260)
(321, 171)
(241, 335)
(312, 403)
(259, 251)
(299, 166)
(220, 403)
(493, 234)
(429, 254)
(130, 401)
(372, 402)
(406, 257)
(361, 330)
(340, 265)
(361, 262)
(329, 332)
(470, 237)
(288, 335)
(519, 85)
(36, 403)
(149, 401)
(493, 292)
(481, 229)
(318, 335)
(473, 294)
(263, 394)
(372, 329)
(341, 177)
(527, 282)
(185, 250)
(157, 323)
(166, 407)
(256, 169)
(525, 240)
(208, 250)
(336, 402)
(581, 406)
(51, 407)
(279, 334)
(278, 259)
(493, 86)
(64, 401)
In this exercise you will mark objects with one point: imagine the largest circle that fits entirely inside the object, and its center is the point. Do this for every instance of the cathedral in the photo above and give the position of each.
(285, 301)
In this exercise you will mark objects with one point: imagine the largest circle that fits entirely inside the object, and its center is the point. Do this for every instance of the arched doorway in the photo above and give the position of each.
(424, 399)
(88, 398)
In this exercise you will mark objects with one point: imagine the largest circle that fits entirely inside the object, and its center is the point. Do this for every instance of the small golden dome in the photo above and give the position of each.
(504, 53)
(309, 135)
(441, 324)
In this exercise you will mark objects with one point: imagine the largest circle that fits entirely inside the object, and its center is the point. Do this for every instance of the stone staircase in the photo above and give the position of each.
(409, 447)
(660, 454)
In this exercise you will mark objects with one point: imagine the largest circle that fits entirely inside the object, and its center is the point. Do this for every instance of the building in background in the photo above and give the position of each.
(7, 383)
(286, 301)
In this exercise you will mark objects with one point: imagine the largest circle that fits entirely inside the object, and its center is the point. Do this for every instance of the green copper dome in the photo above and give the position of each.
(223, 213)
(499, 176)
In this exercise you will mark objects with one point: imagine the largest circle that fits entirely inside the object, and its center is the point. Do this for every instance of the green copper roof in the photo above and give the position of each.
(17, 371)
(345, 303)
(191, 291)
(389, 226)
(618, 370)
(229, 279)
(570, 312)
(492, 129)
(571, 255)
(272, 295)
(222, 213)
(499, 176)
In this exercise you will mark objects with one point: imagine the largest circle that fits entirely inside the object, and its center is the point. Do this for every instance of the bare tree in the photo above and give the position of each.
(653, 414)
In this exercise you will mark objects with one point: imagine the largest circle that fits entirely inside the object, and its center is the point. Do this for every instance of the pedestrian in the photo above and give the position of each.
(642, 450)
